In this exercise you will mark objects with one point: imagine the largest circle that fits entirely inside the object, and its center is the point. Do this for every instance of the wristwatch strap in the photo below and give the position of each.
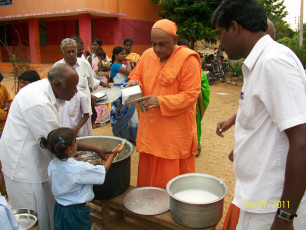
(285, 215)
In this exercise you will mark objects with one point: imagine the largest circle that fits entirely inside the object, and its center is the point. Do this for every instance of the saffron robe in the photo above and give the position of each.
(170, 131)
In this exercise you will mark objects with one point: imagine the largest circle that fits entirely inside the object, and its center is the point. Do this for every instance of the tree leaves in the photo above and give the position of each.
(193, 18)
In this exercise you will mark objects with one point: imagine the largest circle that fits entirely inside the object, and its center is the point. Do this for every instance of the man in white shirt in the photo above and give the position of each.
(270, 132)
(75, 114)
(84, 70)
(34, 113)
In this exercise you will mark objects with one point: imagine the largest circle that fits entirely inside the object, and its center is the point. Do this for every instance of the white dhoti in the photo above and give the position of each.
(35, 196)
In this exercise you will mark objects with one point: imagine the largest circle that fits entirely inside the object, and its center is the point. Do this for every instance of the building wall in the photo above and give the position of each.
(112, 30)
(135, 9)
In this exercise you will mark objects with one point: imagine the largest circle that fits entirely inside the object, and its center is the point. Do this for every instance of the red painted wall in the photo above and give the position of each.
(58, 30)
(115, 30)
(112, 32)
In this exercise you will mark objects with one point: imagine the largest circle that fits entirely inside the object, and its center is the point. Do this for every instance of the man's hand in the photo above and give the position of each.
(103, 84)
(76, 129)
(132, 83)
(280, 224)
(93, 100)
(150, 102)
(225, 125)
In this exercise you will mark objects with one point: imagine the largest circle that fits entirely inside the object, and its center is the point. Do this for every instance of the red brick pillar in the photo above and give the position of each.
(85, 30)
(34, 41)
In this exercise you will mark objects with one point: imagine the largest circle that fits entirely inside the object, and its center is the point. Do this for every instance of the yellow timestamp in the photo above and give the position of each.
(266, 204)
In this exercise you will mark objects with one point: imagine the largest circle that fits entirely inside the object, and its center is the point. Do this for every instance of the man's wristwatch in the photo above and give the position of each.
(285, 215)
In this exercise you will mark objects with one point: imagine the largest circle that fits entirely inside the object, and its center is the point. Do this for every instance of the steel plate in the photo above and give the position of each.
(111, 94)
(26, 218)
(147, 200)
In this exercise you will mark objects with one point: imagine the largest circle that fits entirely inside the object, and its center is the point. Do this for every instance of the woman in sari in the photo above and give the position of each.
(100, 113)
(123, 118)
(133, 57)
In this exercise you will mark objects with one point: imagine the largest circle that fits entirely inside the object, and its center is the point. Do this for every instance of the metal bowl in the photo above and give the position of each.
(108, 142)
(27, 218)
(196, 213)
(117, 179)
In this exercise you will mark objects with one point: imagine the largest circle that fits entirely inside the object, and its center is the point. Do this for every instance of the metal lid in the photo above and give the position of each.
(112, 94)
(147, 200)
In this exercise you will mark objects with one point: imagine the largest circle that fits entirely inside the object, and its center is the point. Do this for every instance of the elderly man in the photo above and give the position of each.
(34, 113)
(170, 79)
(270, 124)
(84, 70)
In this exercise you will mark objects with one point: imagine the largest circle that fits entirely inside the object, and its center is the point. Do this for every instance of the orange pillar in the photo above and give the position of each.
(34, 41)
(85, 30)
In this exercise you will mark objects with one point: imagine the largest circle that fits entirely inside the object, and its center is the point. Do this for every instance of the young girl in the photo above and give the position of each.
(72, 180)
(124, 119)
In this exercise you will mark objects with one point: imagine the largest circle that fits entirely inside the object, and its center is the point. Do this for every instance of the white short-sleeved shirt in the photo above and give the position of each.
(73, 111)
(86, 77)
(274, 100)
(33, 113)
(72, 180)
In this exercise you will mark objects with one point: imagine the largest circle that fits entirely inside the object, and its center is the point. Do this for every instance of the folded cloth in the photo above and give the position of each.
(174, 65)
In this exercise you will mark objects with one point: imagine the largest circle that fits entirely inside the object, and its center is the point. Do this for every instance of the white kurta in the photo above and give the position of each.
(86, 77)
(33, 113)
(73, 111)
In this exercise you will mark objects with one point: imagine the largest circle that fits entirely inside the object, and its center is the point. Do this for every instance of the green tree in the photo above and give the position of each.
(276, 12)
(193, 18)
(293, 44)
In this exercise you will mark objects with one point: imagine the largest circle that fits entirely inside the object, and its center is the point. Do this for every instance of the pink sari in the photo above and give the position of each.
(102, 110)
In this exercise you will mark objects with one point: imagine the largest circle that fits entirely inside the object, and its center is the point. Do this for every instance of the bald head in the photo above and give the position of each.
(271, 29)
(63, 79)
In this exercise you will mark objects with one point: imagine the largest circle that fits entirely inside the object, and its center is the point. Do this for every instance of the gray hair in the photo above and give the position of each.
(57, 73)
(67, 41)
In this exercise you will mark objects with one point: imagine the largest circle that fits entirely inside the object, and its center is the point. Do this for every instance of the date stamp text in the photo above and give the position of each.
(266, 204)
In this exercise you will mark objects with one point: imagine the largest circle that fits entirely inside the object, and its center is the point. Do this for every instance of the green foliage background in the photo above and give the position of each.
(193, 18)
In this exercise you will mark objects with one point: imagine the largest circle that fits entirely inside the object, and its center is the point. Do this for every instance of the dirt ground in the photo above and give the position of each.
(213, 159)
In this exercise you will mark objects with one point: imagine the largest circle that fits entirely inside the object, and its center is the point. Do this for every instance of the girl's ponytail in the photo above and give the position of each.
(58, 141)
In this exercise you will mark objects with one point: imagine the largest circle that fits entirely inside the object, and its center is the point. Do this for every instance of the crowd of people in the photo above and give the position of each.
(47, 115)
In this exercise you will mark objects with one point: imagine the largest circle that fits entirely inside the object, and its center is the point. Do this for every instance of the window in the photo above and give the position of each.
(43, 37)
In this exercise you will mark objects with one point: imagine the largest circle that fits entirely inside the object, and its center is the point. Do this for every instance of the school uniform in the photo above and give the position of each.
(72, 183)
